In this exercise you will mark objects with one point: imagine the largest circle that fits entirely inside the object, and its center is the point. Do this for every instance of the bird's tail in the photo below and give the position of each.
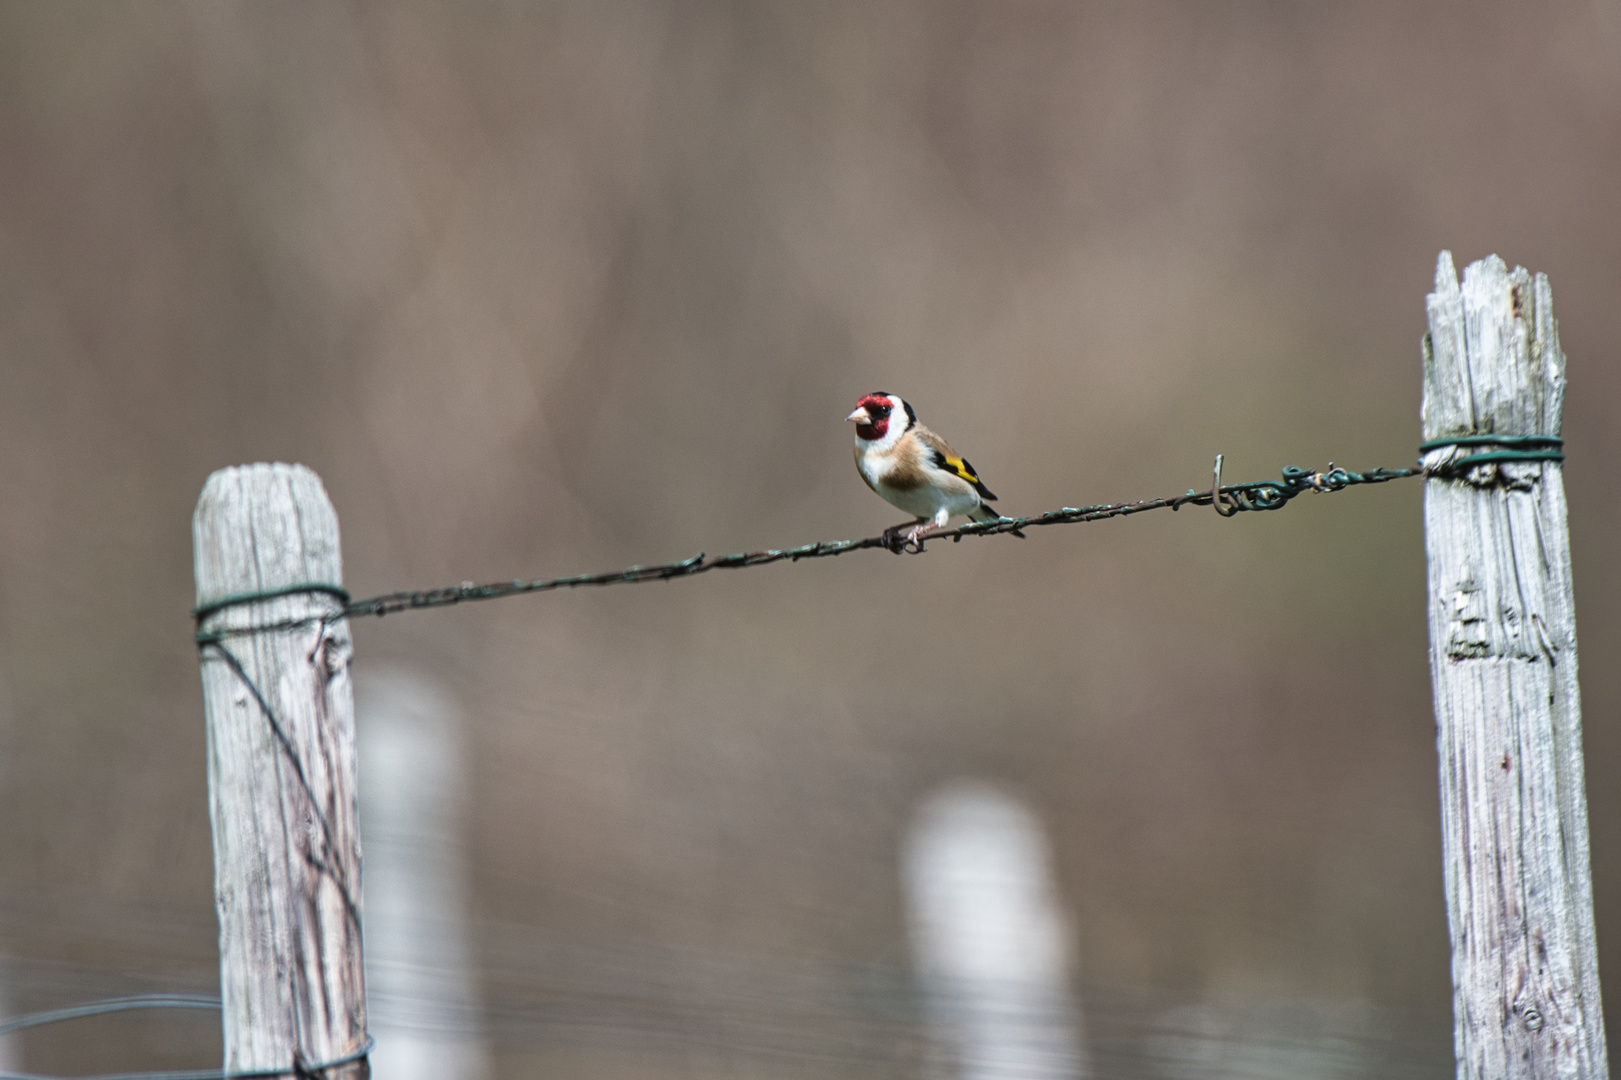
(983, 512)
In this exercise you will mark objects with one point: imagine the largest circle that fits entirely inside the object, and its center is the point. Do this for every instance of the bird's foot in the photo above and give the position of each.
(903, 537)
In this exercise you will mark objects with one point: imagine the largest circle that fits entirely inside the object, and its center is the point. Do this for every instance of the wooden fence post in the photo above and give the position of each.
(1503, 661)
(281, 771)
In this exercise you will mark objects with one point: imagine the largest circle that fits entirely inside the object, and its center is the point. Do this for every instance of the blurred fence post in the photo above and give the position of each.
(1503, 662)
(989, 941)
(419, 959)
(281, 772)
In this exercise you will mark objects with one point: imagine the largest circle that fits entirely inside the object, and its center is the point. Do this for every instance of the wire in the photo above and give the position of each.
(328, 863)
(1513, 448)
(109, 1005)
(203, 611)
(1227, 500)
(299, 1068)
(859, 1020)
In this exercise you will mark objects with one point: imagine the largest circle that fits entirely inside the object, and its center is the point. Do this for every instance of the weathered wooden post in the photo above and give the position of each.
(281, 772)
(1503, 661)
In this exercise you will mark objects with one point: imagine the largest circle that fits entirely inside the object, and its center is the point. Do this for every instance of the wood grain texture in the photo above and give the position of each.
(286, 839)
(1508, 711)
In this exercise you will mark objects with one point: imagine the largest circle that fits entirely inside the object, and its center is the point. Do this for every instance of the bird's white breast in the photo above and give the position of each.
(940, 491)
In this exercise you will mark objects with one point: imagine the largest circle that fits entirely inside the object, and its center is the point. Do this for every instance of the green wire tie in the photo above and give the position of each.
(1516, 448)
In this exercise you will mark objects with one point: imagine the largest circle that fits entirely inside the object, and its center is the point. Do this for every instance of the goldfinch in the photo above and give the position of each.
(912, 468)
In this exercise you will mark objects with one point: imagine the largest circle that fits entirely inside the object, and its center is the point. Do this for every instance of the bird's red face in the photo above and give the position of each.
(871, 416)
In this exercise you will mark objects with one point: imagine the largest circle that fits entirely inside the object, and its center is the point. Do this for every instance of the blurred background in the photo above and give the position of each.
(544, 288)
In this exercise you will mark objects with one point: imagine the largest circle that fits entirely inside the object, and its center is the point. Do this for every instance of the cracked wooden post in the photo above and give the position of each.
(1503, 661)
(281, 771)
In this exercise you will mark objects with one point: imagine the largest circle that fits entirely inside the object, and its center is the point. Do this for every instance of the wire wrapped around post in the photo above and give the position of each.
(1503, 662)
(274, 647)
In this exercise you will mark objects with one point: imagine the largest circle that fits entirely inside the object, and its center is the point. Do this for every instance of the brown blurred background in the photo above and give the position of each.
(542, 288)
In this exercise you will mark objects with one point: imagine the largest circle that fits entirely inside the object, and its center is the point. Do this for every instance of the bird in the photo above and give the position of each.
(912, 468)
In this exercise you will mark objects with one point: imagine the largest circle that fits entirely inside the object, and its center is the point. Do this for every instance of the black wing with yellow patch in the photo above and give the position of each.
(962, 468)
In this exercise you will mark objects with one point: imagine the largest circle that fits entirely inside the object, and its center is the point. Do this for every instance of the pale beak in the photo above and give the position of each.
(860, 416)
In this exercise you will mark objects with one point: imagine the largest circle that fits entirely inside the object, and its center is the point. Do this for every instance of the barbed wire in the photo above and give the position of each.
(1227, 499)
(1449, 458)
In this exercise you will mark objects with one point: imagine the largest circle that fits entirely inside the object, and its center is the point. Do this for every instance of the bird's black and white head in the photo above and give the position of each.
(880, 420)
